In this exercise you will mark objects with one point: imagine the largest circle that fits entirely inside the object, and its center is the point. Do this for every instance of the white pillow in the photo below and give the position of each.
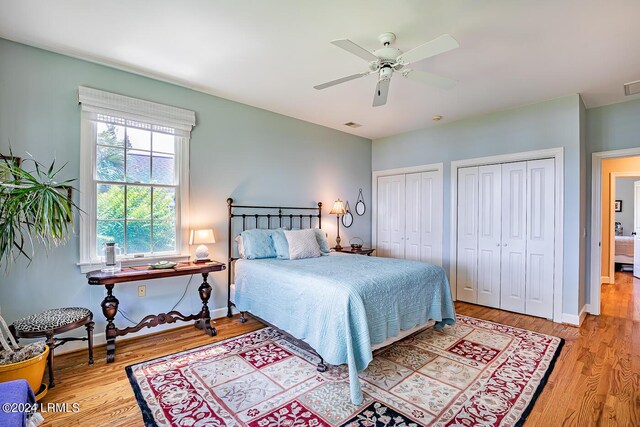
(240, 243)
(302, 244)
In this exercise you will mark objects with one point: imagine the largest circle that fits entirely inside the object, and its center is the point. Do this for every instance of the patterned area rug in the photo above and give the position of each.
(475, 373)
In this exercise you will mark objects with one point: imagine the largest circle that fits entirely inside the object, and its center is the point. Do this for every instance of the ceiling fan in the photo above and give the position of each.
(386, 60)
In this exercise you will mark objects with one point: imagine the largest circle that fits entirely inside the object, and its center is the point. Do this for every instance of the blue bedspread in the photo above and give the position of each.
(343, 304)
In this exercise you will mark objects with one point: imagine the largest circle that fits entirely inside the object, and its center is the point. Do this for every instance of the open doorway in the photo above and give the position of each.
(618, 223)
(623, 215)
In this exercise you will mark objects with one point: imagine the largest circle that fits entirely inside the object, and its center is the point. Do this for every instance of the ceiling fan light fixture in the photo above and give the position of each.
(436, 118)
(386, 73)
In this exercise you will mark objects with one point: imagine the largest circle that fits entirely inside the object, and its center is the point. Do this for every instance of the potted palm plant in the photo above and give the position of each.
(35, 211)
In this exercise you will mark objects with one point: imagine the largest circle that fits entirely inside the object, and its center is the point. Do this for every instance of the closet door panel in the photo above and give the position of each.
(413, 203)
(397, 210)
(391, 216)
(540, 237)
(467, 222)
(514, 236)
(431, 223)
(489, 234)
(383, 232)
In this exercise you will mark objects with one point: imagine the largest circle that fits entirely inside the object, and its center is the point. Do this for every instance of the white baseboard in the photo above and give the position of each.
(99, 338)
(573, 319)
(583, 313)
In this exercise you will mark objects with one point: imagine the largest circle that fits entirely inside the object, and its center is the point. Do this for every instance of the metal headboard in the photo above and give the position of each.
(276, 217)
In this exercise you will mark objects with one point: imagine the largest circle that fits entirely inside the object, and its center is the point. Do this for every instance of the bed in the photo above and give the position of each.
(623, 251)
(340, 306)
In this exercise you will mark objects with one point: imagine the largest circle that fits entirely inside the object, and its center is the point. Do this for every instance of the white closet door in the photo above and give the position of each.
(391, 216)
(514, 236)
(431, 212)
(540, 242)
(383, 232)
(413, 203)
(489, 234)
(467, 257)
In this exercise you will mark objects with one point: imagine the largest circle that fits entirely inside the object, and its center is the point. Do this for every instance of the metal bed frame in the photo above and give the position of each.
(276, 217)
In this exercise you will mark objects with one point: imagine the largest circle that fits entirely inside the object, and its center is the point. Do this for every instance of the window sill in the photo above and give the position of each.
(86, 267)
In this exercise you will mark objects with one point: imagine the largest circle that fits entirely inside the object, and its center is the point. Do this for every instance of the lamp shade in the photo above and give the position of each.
(338, 208)
(202, 237)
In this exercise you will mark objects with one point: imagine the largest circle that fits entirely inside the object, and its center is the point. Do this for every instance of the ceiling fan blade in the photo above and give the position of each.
(357, 50)
(429, 78)
(435, 47)
(342, 80)
(382, 90)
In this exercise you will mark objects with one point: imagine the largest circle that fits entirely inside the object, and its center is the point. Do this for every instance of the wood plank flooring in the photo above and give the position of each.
(596, 380)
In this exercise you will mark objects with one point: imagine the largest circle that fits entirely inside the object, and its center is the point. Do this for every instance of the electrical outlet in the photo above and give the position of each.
(142, 290)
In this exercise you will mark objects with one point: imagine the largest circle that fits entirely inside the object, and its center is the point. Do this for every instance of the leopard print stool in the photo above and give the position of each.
(54, 322)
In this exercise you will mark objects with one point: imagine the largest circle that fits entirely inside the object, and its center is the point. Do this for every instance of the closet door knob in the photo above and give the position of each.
(498, 244)
(504, 244)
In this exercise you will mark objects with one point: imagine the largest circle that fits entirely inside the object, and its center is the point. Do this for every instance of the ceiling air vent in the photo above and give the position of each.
(353, 124)
(632, 88)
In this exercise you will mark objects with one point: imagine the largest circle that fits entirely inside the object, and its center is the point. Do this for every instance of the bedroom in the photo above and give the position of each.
(264, 136)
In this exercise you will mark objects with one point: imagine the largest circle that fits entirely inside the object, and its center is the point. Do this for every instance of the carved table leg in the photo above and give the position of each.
(110, 309)
(51, 344)
(205, 316)
(89, 327)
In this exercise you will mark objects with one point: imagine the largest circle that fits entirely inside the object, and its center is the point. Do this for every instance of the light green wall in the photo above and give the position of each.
(252, 155)
(613, 127)
(544, 125)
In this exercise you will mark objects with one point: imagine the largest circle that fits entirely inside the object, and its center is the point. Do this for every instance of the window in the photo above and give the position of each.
(134, 180)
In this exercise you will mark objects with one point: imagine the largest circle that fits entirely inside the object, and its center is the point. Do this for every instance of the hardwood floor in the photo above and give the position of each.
(596, 380)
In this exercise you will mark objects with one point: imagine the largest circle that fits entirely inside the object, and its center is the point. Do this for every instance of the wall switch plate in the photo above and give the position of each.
(142, 290)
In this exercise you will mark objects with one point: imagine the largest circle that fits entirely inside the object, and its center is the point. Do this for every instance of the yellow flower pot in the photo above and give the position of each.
(31, 370)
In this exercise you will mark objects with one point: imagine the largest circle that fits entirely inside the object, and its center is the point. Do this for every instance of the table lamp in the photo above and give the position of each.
(338, 209)
(202, 237)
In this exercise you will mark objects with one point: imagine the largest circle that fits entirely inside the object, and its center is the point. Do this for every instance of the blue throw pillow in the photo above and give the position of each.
(258, 244)
(322, 242)
(280, 244)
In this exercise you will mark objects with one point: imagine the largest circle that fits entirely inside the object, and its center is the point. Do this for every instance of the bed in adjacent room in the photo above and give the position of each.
(342, 306)
(623, 257)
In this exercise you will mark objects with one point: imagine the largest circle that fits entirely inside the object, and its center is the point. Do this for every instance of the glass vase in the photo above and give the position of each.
(111, 261)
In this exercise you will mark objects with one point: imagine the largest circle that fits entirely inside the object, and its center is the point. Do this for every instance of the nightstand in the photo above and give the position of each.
(350, 250)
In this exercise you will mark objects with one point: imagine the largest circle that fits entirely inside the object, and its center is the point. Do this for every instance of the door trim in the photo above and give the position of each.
(596, 220)
(555, 153)
(433, 167)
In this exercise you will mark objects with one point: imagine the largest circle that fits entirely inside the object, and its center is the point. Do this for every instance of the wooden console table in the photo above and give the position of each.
(131, 274)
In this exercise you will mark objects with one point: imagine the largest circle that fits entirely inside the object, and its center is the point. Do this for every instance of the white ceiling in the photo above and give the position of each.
(270, 53)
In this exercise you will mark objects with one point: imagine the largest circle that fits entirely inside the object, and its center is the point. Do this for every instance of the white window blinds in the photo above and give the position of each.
(123, 110)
